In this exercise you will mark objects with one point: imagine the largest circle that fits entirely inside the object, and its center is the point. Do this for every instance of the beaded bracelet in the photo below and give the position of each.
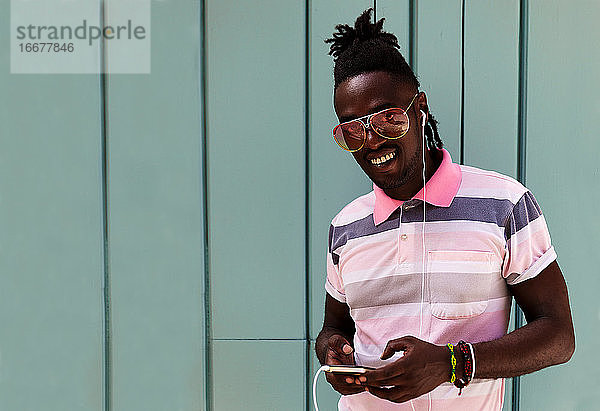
(467, 366)
(453, 362)
(468, 363)
(473, 357)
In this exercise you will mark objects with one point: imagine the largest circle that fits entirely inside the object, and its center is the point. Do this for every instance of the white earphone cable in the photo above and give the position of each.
(325, 367)
(314, 388)
(423, 243)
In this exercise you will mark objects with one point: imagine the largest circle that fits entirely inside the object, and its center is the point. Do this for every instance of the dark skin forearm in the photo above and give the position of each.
(535, 346)
(547, 339)
(337, 321)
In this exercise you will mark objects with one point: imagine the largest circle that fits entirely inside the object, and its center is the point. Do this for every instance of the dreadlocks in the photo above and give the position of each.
(365, 48)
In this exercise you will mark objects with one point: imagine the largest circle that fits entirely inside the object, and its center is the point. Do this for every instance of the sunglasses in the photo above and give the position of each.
(391, 123)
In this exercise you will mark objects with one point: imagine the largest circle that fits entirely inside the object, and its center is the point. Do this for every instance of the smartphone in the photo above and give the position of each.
(348, 369)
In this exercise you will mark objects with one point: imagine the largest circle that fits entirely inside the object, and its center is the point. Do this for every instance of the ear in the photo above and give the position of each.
(422, 107)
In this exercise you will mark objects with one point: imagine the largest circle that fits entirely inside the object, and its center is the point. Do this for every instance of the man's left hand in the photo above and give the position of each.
(423, 367)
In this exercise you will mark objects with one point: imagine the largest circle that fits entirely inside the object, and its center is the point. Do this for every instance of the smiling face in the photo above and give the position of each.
(393, 165)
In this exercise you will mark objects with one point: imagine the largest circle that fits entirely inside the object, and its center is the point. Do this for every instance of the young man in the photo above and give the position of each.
(421, 290)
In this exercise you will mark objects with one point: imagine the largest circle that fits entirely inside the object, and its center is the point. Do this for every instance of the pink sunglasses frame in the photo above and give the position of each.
(367, 125)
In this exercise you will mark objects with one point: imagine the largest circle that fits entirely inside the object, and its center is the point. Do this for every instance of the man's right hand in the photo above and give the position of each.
(340, 352)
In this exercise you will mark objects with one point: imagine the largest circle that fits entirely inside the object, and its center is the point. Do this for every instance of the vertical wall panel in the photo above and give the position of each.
(335, 177)
(491, 85)
(256, 159)
(491, 94)
(562, 171)
(156, 246)
(259, 375)
(51, 241)
(439, 66)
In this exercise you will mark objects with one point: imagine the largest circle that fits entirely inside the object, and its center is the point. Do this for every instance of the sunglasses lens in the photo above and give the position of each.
(350, 135)
(391, 123)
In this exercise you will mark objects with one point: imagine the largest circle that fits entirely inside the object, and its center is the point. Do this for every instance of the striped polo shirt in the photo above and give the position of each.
(482, 231)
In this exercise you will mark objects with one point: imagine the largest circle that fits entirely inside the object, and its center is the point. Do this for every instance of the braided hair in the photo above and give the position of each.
(365, 48)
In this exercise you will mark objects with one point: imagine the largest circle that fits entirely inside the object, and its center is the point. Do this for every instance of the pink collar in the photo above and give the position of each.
(440, 190)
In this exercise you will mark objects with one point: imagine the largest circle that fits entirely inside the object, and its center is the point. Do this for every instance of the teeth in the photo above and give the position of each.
(383, 159)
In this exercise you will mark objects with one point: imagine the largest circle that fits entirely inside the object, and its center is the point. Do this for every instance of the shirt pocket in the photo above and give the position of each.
(459, 282)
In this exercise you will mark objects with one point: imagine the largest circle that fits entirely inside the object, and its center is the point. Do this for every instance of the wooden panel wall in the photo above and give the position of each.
(562, 171)
(156, 220)
(204, 243)
(256, 202)
(51, 239)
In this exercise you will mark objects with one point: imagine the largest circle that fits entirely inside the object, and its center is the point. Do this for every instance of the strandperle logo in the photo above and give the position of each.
(83, 32)
(80, 36)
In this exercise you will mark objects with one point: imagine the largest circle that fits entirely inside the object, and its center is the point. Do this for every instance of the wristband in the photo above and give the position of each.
(468, 360)
(473, 357)
(465, 351)
(453, 362)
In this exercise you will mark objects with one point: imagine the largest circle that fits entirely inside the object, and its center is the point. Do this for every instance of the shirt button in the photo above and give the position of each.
(403, 237)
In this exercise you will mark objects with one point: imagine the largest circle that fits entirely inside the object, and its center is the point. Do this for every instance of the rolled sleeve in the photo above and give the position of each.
(529, 249)
(333, 283)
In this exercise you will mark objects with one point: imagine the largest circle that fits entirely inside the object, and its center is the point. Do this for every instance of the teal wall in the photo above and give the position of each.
(163, 236)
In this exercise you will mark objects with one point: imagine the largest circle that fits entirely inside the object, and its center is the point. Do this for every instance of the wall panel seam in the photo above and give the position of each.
(106, 290)
(307, 276)
(412, 35)
(521, 150)
(206, 231)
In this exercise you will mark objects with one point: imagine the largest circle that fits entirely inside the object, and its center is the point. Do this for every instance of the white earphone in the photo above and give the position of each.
(423, 270)
(423, 122)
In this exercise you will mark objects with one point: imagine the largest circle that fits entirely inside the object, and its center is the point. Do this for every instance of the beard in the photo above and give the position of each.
(412, 170)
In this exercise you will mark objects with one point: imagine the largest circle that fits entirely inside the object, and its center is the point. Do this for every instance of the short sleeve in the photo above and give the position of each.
(529, 249)
(333, 282)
